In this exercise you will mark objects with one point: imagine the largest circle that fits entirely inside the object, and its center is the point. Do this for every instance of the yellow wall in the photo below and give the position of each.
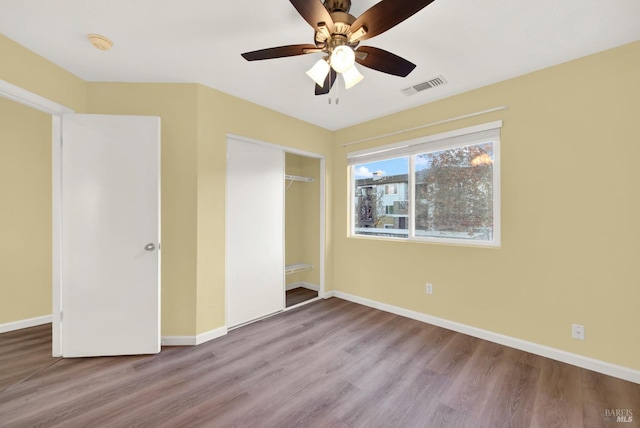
(570, 210)
(311, 214)
(25, 216)
(25, 181)
(294, 224)
(30, 71)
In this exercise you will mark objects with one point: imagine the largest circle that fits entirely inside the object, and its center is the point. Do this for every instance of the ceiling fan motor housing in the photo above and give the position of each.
(342, 28)
(337, 5)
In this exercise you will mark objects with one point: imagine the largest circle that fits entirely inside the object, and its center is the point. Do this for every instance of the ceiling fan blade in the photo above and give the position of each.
(381, 60)
(386, 14)
(328, 83)
(280, 52)
(314, 12)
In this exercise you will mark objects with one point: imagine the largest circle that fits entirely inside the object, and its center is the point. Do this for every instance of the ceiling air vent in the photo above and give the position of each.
(412, 90)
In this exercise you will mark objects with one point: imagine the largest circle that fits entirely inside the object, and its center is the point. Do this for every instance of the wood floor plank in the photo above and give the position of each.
(601, 393)
(558, 397)
(512, 397)
(330, 363)
(471, 390)
(25, 352)
(452, 359)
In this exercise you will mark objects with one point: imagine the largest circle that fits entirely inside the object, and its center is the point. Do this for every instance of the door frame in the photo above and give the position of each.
(323, 237)
(37, 102)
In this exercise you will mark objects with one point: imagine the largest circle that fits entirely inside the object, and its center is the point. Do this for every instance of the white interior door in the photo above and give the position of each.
(110, 235)
(255, 231)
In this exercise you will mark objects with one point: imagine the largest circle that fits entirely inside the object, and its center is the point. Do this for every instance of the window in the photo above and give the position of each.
(376, 209)
(443, 188)
(391, 189)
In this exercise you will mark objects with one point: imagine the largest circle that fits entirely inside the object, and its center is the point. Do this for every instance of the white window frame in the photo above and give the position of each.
(458, 138)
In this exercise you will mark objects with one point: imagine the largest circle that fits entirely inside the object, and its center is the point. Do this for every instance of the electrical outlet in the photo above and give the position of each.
(429, 288)
(577, 331)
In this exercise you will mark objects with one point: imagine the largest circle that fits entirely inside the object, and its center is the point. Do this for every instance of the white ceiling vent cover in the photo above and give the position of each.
(412, 90)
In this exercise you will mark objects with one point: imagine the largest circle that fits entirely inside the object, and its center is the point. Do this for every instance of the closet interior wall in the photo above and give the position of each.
(302, 221)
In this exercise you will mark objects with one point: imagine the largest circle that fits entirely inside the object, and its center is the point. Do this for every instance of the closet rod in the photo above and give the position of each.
(298, 178)
(440, 122)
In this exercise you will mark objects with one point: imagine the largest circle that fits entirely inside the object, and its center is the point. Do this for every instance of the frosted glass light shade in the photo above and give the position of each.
(352, 77)
(342, 58)
(318, 73)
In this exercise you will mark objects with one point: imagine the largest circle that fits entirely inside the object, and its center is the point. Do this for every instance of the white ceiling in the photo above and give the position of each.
(472, 43)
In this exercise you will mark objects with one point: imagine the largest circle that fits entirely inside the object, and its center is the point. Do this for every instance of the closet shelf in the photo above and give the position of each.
(298, 267)
(298, 178)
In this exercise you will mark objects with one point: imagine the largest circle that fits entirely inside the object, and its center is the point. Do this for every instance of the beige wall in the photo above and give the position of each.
(25, 181)
(25, 216)
(30, 71)
(293, 211)
(570, 210)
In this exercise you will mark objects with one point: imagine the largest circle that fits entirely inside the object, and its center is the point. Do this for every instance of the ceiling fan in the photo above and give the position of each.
(338, 34)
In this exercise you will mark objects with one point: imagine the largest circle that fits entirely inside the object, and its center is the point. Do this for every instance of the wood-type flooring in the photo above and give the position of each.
(299, 295)
(330, 363)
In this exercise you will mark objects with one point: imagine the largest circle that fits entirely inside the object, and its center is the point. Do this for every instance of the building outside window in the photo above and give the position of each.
(378, 204)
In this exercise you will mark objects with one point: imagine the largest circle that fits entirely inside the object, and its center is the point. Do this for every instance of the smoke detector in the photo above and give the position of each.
(100, 42)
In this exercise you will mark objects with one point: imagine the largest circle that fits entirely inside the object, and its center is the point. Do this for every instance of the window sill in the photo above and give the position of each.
(437, 241)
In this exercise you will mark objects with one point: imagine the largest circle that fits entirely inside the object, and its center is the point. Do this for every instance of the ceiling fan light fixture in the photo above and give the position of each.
(358, 34)
(323, 31)
(352, 77)
(342, 58)
(318, 73)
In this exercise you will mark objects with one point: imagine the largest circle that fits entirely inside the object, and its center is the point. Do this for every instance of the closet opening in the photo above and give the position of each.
(302, 229)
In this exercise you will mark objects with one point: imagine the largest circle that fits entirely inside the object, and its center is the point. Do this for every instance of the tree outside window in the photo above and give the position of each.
(454, 193)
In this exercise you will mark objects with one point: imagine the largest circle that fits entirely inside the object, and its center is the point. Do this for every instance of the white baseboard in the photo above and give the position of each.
(210, 335)
(328, 295)
(599, 366)
(193, 340)
(31, 322)
(301, 284)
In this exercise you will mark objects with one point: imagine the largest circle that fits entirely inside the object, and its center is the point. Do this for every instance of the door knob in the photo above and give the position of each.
(149, 247)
